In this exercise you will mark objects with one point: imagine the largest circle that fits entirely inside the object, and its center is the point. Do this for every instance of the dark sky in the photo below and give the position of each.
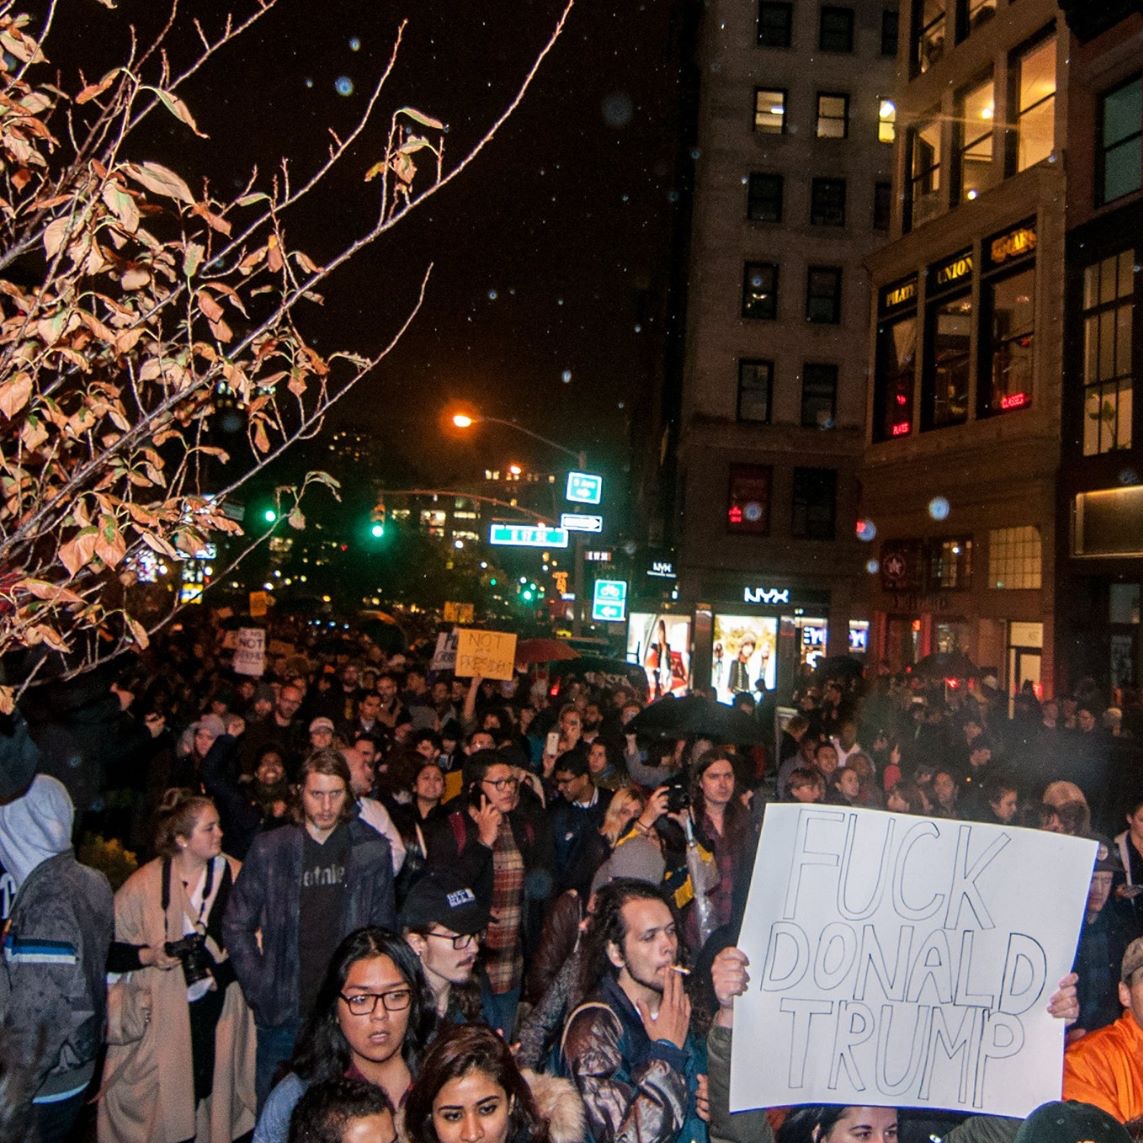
(543, 250)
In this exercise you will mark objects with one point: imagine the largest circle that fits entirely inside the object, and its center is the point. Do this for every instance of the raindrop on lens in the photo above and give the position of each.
(1128, 476)
(566, 376)
(866, 530)
(939, 508)
(873, 566)
(617, 109)
(309, 82)
(492, 295)
(343, 85)
(354, 44)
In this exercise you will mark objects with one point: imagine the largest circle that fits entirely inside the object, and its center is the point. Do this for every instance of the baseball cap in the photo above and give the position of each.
(1132, 960)
(321, 724)
(1071, 1122)
(1106, 857)
(442, 898)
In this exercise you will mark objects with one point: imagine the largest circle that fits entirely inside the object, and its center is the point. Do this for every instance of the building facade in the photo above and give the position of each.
(1100, 533)
(966, 348)
(792, 192)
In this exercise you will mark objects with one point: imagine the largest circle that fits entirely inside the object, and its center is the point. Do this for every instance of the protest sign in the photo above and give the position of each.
(905, 962)
(444, 654)
(250, 654)
(490, 654)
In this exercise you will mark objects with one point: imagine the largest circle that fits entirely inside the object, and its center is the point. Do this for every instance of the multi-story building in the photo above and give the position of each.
(1101, 482)
(792, 192)
(962, 455)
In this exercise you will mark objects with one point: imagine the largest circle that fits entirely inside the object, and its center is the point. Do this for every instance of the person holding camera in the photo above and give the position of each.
(180, 1057)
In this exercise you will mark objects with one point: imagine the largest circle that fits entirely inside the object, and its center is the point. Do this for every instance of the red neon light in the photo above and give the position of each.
(901, 398)
(1014, 401)
(735, 515)
(900, 429)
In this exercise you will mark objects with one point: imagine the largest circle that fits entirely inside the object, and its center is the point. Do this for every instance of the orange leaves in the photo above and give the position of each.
(178, 109)
(15, 393)
(93, 90)
(159, 180)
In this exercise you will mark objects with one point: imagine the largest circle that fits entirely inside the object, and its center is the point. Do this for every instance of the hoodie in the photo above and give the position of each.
(35, 827)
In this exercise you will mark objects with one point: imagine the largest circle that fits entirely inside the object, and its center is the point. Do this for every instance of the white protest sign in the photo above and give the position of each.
(250, 654)
(901, 961)
(444, 654)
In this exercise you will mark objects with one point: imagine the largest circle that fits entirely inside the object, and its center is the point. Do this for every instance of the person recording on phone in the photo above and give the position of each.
(504, 853)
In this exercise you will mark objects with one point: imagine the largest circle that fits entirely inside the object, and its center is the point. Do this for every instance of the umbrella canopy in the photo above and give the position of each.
(695, 716)
(839, 667)
(543, 651)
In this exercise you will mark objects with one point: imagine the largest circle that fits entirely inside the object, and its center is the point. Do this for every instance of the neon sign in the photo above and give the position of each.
(1011, 245)
(955, 270)
(769, 595)
(1014, 401)
(900, 429)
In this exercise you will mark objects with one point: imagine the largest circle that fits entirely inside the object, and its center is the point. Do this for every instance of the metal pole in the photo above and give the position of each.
(578, 578)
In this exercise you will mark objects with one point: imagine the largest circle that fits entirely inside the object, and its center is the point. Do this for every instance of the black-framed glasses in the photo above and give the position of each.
(501, 784)
(365, 1003)
(459, 940)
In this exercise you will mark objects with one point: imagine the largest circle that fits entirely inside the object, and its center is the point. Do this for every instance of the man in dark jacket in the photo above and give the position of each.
(304, 887)
(53, 976)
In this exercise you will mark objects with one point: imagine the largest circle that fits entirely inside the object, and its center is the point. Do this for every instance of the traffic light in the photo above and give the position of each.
(377, 520)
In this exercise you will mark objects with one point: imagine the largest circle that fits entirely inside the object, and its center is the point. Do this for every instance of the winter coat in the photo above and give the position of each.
(148, 1077)
(1105, 1068)
(266, 902)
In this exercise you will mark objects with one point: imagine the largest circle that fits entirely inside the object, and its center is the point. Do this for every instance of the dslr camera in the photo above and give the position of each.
(678, 798)
(195, 957)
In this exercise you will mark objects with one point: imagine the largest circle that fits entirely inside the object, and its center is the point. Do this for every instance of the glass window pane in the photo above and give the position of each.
(1091, 421)
(1090, 287)
(1037, 134)
(1106, 346)
(759, 290)
(1121, 169)
(1122, 339)
(1126, 273)
(1036, 103)
(896, 357)
(1123, 428)
(949, 369)
(769, 110)
(1011, 302)
(1091, 348)
(929, 41)
(754, 383)
(1122, 113)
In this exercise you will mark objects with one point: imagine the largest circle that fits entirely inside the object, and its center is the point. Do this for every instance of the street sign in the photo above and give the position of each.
(581, 522)
(609, 601)
(527, 536)
(584, 488)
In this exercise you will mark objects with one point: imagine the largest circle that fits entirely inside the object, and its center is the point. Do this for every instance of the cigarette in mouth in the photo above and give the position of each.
(680, 970)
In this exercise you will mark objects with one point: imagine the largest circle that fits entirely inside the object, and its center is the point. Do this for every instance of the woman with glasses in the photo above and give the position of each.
(372, 1019)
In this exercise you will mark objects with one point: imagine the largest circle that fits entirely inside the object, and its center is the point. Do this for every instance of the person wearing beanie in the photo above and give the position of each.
(52, 976)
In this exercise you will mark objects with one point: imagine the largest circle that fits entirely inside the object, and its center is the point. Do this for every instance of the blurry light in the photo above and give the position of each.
(325, 599)
(939, 508)
(458, 544)
(515, 469)
(270, 515)
(462, 420)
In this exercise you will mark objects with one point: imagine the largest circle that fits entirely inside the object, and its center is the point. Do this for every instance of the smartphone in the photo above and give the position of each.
(553, 742)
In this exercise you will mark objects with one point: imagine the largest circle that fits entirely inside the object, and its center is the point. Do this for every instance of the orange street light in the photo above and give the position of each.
(463, 421)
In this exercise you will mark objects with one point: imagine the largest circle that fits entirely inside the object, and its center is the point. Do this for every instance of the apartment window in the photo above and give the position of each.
(775, 21)
(975, 14)
(886, 120)
(748, 500)
(1009, 307)
(814, 503)
(827, 202)
(823, 294)
(819, 395)
(929, 17)
(760, 290)
(882, 205)
(890, 23)
(769, 110)
(833, 115)
(1120, 157)
(947, 362)
(835, 30)
(1108, 379)
(972, 155)
(1034, 91)
(924, 172)
(755, 383)
(948, 564)
(764, 197)
(1015, 559)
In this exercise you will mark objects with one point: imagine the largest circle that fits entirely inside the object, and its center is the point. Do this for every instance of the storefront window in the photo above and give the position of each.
(661, 644)
(896, 361)
(948, 367)
(748, 499)
(743, 652)
(1108, 379)
(1010, 305)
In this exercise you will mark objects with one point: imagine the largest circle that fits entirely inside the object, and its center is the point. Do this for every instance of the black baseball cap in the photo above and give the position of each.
(442, 898)
(1071, 1123)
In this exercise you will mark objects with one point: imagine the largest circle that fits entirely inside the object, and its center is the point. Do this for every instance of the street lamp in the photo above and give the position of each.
(467, 421)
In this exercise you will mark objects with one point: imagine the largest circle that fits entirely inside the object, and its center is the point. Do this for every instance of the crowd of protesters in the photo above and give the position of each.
(375, 902)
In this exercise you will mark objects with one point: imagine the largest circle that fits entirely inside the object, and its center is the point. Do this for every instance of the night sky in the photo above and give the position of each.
(551, 253)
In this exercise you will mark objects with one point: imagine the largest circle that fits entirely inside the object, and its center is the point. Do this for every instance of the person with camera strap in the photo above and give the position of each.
(180, 1059)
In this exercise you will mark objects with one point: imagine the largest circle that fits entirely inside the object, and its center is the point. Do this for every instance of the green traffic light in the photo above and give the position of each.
(527, 597)
(270, 515)
(492, 582)
(377, 531)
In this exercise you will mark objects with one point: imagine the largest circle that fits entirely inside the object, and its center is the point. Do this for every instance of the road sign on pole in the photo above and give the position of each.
(609, 601)
(527, 536)
(584, 488)
(581, 522)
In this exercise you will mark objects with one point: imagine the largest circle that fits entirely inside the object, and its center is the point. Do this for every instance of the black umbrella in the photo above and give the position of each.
(839, 667)
(695, 716)
(945, 665)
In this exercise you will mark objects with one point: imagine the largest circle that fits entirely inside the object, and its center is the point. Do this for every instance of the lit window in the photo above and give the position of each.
(769, 110)
(1108, 379)
(896, 364)
(973, 153)
(833, 115)
(978, 14)
(949, 564)
(760, 290)
(1015, 558)
(748, 499)
(1009, 304)
(928, 33)
(1120, 124)
(886, 120)
(925, 172)
(755, 380)
(947, 362)
(764, 197)
(1035, 89)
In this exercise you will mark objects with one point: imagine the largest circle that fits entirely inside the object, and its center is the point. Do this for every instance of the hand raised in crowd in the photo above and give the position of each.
(673, 1019)
(1064, 1004)
(729, 977)
(655, 808)
(702, 1097)
(487, 818)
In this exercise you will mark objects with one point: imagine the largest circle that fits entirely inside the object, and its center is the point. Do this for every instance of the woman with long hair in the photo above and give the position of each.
(829, 1123)
(471, 1091)
(372, 1018)
(180, 1060)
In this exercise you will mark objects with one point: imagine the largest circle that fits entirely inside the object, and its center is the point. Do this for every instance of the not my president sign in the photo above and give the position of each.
(906, 962)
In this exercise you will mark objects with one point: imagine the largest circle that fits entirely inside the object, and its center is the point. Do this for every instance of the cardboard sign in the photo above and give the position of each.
(259, 604)
(902, 961)
(250, 654)
(459, 612)
(444, 654)
(490, 654)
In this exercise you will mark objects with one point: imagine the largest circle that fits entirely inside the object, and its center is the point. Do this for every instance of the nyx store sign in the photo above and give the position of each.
(662, 569)
(770, 596)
